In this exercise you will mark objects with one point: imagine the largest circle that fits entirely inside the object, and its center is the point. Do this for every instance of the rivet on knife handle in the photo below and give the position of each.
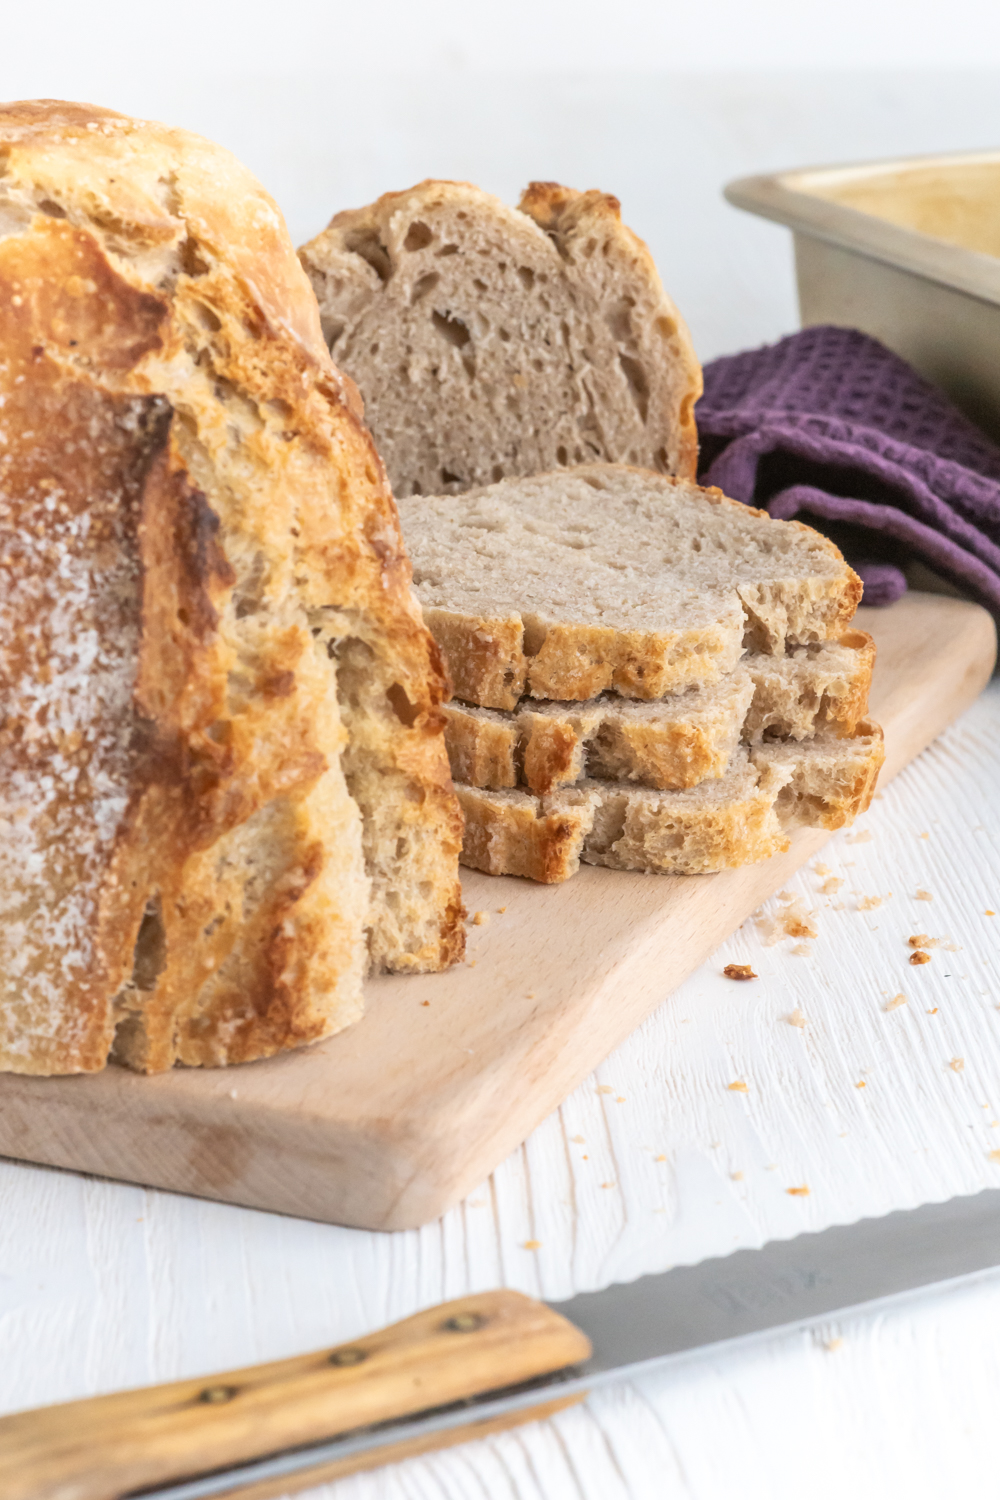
(109, 1447)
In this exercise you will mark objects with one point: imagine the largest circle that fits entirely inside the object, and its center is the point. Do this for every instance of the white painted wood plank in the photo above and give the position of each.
(104, 1285)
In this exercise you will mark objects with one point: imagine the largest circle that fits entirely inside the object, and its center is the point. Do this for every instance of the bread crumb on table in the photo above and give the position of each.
(920, 957)
(659, 1158)
(821, 870)
(988, 913)
(869, 903)
(532, 1244)
(798, 1192)
(957, 1064)
(801, 950)
(608, 1184)
(993, 1156)
(831, 886)
(736, 1176)
(923, 895)
(796, 1018)
(861, 1084)
(577, 1140)
(864, 837)
(895, 1002)
(832, 1345)
(739, 1087)
(922, 940)
(739, 971)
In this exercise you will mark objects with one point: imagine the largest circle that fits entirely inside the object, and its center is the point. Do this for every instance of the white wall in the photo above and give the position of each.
(332, 104)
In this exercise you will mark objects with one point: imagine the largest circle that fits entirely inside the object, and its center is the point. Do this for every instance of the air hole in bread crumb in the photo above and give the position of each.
(406, 712)
(451, 329)
(447, 250)
(637, 384)
(366, 243)
(424, 285)
(418, 236)
(526, 276)
(53, 210)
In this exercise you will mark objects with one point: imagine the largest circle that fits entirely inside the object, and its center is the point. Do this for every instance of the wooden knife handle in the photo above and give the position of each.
(108, 1447)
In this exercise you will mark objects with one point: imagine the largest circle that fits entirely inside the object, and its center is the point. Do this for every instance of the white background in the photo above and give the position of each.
(660, 103)
(103, 1285)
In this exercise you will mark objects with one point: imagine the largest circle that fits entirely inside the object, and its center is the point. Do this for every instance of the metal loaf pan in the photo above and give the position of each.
(906, 250)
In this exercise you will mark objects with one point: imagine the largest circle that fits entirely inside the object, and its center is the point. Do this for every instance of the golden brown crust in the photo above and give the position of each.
(513, 834)
(194, 496)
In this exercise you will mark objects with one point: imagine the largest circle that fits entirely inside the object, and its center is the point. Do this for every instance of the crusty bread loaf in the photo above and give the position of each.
(564, 585)
(738, 819)
(197, 537)
(673, 742)
(489, 341)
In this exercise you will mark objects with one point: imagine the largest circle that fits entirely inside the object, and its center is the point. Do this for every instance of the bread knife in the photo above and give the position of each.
(473, 1366)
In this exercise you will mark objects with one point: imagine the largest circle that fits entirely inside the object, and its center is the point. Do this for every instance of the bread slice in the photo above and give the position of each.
(832, 777)
(209, 833)
(738, 819)
(490, 341)
(720, 824)
(673, 743)
(564, 585)
(820, 686)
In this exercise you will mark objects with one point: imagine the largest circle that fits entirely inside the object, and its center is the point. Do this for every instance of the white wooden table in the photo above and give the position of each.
(653, 1162)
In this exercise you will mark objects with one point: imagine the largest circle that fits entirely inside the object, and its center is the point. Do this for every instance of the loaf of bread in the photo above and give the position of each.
(673, 742)
(737, 819)
(564, 585)
(224, 792)
(489, 341)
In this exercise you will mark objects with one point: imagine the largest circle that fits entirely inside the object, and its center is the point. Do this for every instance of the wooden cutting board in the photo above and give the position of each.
(387, 1124)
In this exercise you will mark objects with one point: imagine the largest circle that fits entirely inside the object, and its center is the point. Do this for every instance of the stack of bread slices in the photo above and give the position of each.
(648, 675)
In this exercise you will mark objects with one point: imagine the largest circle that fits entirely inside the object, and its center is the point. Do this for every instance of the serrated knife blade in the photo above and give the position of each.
(634, 1328)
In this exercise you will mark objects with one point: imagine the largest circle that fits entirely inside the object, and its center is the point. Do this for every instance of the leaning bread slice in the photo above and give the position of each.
(832, 778)
(563, 585)
(820, 686)
(673, 743)
(491, 341)
(716, 826)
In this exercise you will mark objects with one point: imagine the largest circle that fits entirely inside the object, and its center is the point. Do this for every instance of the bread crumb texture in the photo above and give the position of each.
(490, 341)
(224, 792)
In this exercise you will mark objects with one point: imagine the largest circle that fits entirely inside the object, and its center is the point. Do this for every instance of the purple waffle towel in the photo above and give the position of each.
(830, 426)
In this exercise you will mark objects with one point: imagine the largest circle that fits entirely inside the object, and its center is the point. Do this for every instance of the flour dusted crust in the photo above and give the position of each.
(490, 341)
(204, 850)
(568, 584)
